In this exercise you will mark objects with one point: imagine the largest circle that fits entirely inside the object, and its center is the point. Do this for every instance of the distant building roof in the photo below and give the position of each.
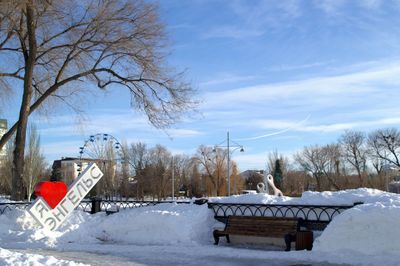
(248, 173)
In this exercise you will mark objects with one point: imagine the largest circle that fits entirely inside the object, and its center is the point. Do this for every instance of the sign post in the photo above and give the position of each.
(52, 218)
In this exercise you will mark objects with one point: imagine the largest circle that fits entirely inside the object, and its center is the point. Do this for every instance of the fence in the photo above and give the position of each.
(317, 217)
(13, 205)
(94, 205)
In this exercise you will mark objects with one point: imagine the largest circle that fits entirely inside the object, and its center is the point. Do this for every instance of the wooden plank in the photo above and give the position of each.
(260, 226)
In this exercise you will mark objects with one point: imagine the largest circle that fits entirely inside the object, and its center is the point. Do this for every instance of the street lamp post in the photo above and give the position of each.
(229, 145)
(173, 179)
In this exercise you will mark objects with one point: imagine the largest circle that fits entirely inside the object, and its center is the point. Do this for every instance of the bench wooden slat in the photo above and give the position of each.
(259, 226)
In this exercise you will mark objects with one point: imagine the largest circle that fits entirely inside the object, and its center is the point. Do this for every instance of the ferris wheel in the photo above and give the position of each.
(100, 148)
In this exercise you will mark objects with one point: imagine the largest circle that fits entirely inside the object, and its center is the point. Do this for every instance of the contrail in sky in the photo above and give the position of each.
(277, 132)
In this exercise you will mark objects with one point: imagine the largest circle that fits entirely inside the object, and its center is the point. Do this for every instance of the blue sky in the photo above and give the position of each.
(278, 75)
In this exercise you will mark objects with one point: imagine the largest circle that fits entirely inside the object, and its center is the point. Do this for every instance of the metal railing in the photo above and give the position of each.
(101, 205)
(316, 217)
(13, 205)
(93, 205)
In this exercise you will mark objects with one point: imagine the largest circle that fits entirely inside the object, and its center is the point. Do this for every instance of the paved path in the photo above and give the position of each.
(166, 255)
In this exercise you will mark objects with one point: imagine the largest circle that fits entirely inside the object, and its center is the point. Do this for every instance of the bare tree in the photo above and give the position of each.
(35, 163)
(332, 151)
(271, 162)
(385, 144)
(54, 47)
(125, 174)
(321, 162)
(237, 182)
(159, 176)
(182, 165)
(5, 169)
(109, 184)
(138, 159)
(296, 182)
(352, 144)
(213, 164)
(196, 185)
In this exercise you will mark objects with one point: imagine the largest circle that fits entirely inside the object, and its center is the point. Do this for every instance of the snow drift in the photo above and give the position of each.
(370, 230)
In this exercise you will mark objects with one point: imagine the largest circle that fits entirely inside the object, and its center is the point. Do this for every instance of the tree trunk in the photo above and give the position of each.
(20, 138)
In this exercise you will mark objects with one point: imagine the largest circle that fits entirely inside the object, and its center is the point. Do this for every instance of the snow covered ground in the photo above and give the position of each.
(180, 234)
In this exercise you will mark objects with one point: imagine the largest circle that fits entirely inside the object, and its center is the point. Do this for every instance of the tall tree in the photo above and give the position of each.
(5, 169)
(277, 160)
(54, 47)
(278, 174)
(138, 159)
(385, 144)
(352, 144)
(125, 171)
(35, 163)
(160, 162)
(236, 180)
(196, 186)
(213, 165)
(322, 162)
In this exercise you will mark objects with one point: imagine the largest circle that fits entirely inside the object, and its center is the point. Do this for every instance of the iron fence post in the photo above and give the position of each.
(96, 205)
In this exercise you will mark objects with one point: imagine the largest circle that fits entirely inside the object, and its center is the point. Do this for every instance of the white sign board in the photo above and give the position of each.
(53, 218)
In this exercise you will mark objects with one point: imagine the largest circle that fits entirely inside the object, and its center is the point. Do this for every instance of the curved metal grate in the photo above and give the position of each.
(86, 205)
(116, 205)
(317, 216)
(4, 207)
(132, 204)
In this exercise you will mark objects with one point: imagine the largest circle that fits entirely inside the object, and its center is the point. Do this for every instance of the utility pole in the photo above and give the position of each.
(229, 165)
(229, 146)
(173, 179)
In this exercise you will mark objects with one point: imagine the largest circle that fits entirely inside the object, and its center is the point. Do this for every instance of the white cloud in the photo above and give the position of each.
(254, 20)
(330, 7)
(370, 4)
(235, 32)
(280, 68)
(102, 121)
(328, 127)
(317, 91)
(181, 133)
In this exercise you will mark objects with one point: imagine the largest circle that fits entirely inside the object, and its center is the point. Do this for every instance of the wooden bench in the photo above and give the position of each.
(261, 227)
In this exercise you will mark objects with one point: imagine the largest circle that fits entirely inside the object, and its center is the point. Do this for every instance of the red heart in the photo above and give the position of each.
(51, 192)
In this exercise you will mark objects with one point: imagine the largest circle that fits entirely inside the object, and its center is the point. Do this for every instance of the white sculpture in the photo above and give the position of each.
(262, 188)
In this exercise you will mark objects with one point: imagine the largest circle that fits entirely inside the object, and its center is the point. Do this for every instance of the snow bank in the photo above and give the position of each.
(18, 227)
(163, 224)
(344, 197)
(364, 233)
(371, 229)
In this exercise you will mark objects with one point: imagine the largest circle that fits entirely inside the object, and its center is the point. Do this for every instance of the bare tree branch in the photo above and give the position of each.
(112, 44)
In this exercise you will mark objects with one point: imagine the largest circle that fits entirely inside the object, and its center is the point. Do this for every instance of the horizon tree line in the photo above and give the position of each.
(356, 159)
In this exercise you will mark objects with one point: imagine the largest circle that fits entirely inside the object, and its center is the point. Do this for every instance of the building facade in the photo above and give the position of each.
(67, 169)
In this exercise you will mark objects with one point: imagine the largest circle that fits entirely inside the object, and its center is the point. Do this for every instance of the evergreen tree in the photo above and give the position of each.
(278, 175)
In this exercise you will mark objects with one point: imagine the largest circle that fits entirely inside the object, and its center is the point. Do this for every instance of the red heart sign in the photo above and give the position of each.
(51, 192)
